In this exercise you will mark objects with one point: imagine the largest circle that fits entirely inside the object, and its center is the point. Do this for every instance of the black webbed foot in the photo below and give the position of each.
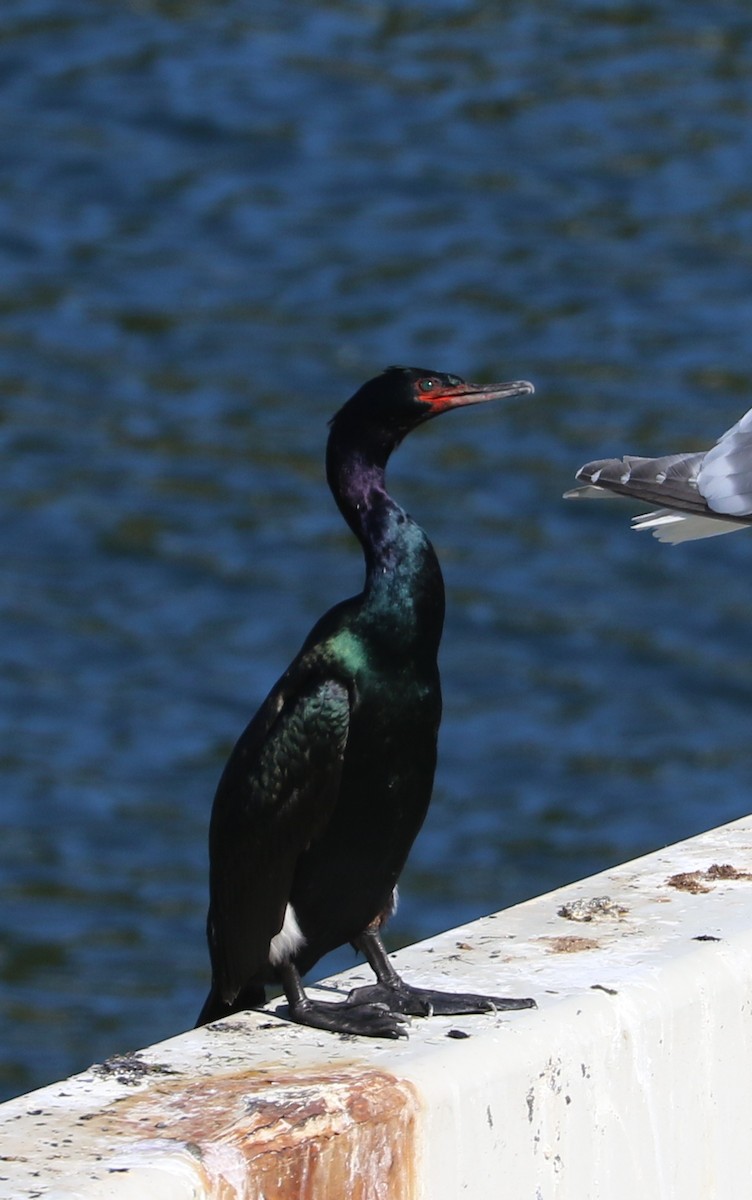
(401, 997)
(356, 1016)
(350, 1016)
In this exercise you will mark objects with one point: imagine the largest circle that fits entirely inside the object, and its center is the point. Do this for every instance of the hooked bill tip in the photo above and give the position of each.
(523, 387)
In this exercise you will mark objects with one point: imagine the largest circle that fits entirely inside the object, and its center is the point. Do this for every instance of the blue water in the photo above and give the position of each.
(216, 220)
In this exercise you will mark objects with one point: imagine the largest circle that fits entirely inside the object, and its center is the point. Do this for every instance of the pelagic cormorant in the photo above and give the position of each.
(326, 789)
(701, 495)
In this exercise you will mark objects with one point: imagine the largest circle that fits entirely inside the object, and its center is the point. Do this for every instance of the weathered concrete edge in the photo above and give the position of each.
(630, 1078)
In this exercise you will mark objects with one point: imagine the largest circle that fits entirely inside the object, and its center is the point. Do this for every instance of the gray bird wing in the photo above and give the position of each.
(696, 491)
(277, 791)
(671, 480)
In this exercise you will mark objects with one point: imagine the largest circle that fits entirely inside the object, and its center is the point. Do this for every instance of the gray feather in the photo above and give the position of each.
(695, 491)
(725, 478)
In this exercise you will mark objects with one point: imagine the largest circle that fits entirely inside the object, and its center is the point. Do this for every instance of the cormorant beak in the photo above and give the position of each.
(465, 394)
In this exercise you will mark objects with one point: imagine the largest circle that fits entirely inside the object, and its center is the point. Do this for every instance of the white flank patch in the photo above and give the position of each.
(289, 939)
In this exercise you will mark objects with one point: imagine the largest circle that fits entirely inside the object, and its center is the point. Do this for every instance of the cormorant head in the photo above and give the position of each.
(389, 406)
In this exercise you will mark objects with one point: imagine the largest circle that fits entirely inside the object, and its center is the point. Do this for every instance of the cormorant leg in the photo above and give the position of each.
(344, 1016)
(402, 997)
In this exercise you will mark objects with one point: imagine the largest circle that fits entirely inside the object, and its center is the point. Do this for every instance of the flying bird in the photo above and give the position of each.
(327, 788)
(700, 494)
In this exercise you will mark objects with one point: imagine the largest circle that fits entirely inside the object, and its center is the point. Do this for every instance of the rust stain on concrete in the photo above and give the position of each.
(346, 1134)
(569, 944)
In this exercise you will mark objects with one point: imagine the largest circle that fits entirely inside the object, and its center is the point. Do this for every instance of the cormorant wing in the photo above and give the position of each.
(277, 791)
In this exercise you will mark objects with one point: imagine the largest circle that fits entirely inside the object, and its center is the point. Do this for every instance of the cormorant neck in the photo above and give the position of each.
(356, 476)
(403, 575)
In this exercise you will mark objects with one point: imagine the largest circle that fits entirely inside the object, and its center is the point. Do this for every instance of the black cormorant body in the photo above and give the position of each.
(326, 789)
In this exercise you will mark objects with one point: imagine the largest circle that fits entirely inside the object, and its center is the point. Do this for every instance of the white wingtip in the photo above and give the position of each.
(674, 527)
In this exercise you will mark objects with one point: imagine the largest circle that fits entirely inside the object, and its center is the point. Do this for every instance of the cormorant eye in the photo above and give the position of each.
(426, 385)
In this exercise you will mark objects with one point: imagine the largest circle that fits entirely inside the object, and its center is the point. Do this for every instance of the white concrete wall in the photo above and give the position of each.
(631, 1081)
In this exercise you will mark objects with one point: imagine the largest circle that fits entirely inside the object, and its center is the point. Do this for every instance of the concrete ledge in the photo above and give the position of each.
(633, 1077)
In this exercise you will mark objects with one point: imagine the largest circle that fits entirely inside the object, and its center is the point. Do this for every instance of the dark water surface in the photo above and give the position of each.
(215, 221)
